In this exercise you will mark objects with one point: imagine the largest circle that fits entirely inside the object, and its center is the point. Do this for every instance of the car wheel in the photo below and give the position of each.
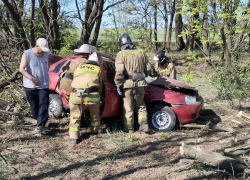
(55, 105)
(162, 118)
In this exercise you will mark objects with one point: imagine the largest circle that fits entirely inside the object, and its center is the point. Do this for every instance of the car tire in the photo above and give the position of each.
(162, 118)
(55, 106)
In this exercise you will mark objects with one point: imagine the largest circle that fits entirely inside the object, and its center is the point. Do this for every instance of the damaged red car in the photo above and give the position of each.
(168, 101)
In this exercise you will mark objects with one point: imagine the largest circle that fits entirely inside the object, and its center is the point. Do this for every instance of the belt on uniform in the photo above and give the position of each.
(128, 77)
(85, 90)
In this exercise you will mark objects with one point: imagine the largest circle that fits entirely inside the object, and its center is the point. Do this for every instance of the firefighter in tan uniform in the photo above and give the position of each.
(132, 67)
(163, 66)
(86, 90)
(78, 58)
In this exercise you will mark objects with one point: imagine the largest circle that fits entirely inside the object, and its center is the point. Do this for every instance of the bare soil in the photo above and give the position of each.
(115, 154)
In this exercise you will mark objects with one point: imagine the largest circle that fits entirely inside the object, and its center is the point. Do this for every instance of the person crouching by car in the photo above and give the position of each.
(86, 90)
(163, 66)
(132, 67)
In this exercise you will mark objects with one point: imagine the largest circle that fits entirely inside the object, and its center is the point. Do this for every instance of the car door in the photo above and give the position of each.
(111, 101)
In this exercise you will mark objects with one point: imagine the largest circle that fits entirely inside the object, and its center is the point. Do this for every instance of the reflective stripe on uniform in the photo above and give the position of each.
(129, 125)
(85, 99)
(97, 124)
(142, 118)
(74, 129)
(164, 70)
(89, 74)
(88, 67)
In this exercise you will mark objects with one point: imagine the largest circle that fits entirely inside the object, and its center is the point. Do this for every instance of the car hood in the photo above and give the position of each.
(168, 82)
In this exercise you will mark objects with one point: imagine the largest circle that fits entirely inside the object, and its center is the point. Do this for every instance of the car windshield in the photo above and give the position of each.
(58, 67)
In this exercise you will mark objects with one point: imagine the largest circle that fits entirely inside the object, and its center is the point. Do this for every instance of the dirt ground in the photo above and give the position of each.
(115, 154)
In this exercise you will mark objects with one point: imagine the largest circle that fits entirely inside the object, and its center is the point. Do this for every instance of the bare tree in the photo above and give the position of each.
(93, 16)
(17, 18)
(52, 28)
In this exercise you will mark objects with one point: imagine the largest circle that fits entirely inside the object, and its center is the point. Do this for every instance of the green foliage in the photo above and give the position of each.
(110, 43)
(132, 138)
(192, 61)
(223, 80)
(187, 77)
(69, 40)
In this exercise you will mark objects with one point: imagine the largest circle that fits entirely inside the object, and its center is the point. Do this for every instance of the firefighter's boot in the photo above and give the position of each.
(144, 127)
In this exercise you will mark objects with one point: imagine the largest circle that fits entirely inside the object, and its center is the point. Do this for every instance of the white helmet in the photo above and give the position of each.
(85, 48)
(93, 59)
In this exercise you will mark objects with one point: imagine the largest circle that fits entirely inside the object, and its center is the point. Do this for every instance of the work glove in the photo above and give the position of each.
(119, 91)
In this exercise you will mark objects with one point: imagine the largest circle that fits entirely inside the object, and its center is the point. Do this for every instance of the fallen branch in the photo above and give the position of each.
(241, 149)
(212, 158)
(243, 138)
(3, 160)
(25, 118)
(15, 76)
(209, 127)
(244, 115)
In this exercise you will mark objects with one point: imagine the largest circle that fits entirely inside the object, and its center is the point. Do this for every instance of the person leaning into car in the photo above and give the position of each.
(132, 67)
(163, 66)
(86, 90)
(79, 57)
(34, 67)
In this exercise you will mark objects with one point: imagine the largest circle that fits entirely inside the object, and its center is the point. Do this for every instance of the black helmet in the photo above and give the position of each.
(160, 56)
(125, 42)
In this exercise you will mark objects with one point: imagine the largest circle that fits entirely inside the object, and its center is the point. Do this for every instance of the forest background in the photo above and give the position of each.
(207, 40)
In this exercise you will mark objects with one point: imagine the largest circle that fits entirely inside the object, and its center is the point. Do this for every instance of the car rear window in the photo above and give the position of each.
(108, 65)
(58, 66)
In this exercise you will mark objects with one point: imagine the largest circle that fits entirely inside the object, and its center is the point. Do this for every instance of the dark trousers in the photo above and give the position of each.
(39, 103)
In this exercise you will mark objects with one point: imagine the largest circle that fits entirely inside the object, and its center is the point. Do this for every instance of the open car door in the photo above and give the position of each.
(111, 101)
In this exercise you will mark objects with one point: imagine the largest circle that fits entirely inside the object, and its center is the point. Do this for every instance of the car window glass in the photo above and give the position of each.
(108, 68)
(58, 67)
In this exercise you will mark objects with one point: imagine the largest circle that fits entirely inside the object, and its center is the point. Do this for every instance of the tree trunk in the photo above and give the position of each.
(172, 12)
(93, 11)
(23, 43)
(206, 34)
(212, 159)
(98, 25)
(32, 27)
(52, 30)
(180, 45)
(165, 24)
(55, 27)
(155, 26)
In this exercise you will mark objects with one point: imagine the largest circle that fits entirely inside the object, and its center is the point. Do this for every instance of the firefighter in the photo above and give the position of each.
(86, 90)
(163, 66)
(78, 58)
(132, 67)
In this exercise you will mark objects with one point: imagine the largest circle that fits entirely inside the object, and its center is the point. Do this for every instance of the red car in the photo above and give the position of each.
(168, 101)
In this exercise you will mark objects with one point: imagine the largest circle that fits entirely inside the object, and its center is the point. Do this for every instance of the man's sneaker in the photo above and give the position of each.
(45, 131)
(72, 142)
(144, 127)
(38, 129)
